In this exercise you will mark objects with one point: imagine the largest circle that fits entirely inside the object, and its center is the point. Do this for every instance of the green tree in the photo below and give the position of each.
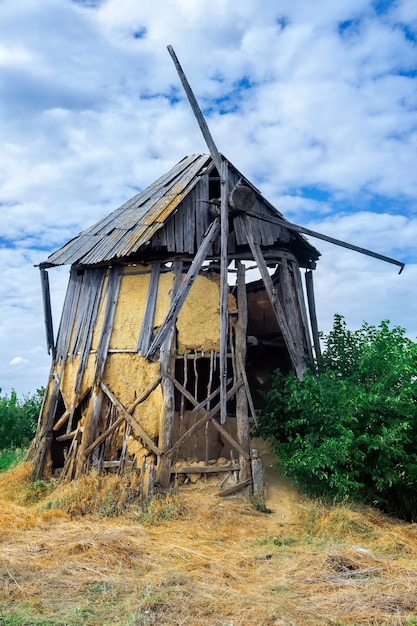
(18, 419)
(350, 431)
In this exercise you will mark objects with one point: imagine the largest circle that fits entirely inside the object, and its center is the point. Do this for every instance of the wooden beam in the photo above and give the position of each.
(197, 112)
(205, 469)
(143, 396)
(130, 420)
(336, 242)
(46, 299)
(224, 289)
(145, 335)
(200, 257)
(312, 312)
(243, 453)
(234, 488)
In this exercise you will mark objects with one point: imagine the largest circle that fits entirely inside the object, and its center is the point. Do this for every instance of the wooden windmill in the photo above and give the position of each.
(162, 339)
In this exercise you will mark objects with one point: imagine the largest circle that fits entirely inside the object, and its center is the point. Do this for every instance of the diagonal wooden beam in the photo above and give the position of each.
(178, 301)
(130, 420)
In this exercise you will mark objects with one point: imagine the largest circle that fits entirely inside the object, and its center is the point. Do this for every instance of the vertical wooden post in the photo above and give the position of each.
(46, 298)
(241, 399)
(312, 312)
(167, 371)
(224, 289)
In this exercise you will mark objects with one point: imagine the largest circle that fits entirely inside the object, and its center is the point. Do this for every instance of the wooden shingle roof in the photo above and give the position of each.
(125, 231)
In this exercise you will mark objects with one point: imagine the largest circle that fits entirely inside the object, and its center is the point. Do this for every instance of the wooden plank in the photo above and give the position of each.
(201, 211)
(47, 311)
(242, 420)
(210, 397)
(113, 287)
(167, 370)
(183, 291)
(299, 365)
(61, 421)
(90, 428)
(145, 335)
(206, 469)
(67, 436)
(224, 289)
(293, 264)
(197, 112)
(292, 313)
(130, 420)
(312, 312)
(234, 488)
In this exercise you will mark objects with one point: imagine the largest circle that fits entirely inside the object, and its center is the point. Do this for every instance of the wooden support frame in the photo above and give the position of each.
(312, 312)
(224, 288)
(296, 358)
(145, 335)
(47, 310)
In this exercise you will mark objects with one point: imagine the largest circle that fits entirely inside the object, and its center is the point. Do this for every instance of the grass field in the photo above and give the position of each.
(68, 557)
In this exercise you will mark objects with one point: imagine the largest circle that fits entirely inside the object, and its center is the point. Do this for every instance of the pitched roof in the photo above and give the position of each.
(126, 230)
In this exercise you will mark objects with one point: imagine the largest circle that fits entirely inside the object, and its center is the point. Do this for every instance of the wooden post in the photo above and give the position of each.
(312, 312)
(167, 372)
(224, 289)
(241, 399)
(46, 298)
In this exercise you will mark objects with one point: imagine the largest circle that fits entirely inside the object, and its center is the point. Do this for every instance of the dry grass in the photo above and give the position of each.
(193, 558)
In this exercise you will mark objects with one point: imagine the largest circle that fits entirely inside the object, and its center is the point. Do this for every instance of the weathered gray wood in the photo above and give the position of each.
(197, 112)
(337, 242)
(46, 299)
(235, 488)
(209, 398)
(241, 397)
(224, 289)
(89, 431)
(312, 312)
(241, 198)
(205, 469)
(292, 313)
(298, 364)
(113, 287)
(137, 428)
(183, 291)
(167, 371)
(301, 304)
(257, 477)
(145, 335)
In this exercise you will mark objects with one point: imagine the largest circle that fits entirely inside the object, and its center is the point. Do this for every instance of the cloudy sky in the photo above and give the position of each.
(315, 102)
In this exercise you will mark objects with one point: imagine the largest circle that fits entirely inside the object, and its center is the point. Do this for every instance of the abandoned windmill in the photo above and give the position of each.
(162, 338)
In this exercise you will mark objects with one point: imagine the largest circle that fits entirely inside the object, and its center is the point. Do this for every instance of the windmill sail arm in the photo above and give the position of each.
(337, 242)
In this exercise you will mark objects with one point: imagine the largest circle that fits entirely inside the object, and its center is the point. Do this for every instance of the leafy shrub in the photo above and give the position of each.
(350, 431)
(18, 419)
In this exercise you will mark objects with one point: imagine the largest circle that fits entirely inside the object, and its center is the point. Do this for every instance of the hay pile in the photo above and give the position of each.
(193, 558)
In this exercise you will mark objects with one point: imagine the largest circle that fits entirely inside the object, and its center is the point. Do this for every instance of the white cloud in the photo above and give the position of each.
(314, 102)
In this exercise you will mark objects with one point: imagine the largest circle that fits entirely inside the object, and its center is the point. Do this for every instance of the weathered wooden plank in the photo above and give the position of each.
(167, 371)
(113, 287)
(234, 488)
(224, 289)
(205, 469)
(46, 299)
(183, 291)
(89, 430)
(312, 312)
(201, 212)
(145, 335)
(242, 420)
(293, 264)
(292, 313)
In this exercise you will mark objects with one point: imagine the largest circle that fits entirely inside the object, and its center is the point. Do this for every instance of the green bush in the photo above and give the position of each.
(18, 419)
(350, 431)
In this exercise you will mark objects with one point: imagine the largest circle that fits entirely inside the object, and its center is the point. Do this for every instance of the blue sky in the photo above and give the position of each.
(315, 103)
